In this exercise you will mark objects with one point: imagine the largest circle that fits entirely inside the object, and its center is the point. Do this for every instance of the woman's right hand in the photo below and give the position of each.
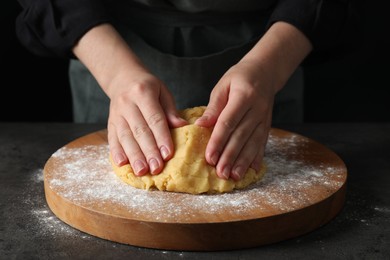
(141, 108)
(141, 112)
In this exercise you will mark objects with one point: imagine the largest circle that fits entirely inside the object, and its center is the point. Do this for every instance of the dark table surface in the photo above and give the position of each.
(29, 230)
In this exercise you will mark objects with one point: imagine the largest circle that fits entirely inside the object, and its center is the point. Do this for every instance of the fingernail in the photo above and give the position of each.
(153, 165)
(200, 119)
(182, 119)
(226, 172)
(164, 152)
(139, 167)
(120, 159)
(214, 158)
(238, 172)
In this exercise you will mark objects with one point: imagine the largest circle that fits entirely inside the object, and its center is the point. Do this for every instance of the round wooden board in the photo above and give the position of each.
(303, 188)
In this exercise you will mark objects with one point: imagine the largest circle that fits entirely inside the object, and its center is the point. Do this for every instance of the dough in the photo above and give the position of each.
(188, 170)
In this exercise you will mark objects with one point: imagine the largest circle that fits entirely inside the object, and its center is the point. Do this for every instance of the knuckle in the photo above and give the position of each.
(140, 130)
(229, 124)
(139, 88)
(123, 98)
(138, 91)
(246, 93)
(124, 135)
(240, 134)
(156, 119)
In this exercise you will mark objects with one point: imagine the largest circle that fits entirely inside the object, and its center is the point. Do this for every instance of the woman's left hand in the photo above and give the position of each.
(240, 109)
(240, 106)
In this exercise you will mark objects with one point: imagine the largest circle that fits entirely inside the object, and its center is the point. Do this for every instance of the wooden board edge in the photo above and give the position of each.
(200, 236)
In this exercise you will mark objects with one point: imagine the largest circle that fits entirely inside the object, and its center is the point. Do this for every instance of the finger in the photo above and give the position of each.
(145, 138)
(256, 164)
(251, 151)
(157, 121)
(118, 155)
(121, 136)
(236, 143)
(255, 145)
(227, 122)
(218, 100)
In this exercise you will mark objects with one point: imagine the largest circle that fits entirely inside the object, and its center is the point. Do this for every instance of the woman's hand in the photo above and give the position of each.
(141, 108)
(240, 106)
(141, 113)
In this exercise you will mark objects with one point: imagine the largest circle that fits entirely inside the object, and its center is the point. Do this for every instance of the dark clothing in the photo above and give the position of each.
(188, 44)
(52, 27)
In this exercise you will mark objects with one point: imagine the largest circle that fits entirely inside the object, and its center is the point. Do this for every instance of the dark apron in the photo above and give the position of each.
(178, 53)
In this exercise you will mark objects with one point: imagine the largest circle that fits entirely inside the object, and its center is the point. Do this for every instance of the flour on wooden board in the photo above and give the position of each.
(90, 178)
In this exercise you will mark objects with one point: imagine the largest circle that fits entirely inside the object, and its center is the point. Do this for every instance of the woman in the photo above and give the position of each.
(134, 63)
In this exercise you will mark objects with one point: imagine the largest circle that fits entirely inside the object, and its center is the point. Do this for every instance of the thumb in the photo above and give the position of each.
(218, 101)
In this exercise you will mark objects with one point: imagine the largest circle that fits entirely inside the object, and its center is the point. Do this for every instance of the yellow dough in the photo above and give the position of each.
(188, 170)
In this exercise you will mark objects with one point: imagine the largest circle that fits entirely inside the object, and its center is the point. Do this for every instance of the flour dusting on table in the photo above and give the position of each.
(86, 178)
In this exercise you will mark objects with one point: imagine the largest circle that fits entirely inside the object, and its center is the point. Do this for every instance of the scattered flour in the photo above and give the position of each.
(86, 178)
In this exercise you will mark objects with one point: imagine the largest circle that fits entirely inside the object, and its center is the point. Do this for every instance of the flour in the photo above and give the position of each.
(88, 179)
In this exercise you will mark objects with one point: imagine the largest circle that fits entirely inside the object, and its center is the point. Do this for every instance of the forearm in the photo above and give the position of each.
(107, 56)
(280, 51)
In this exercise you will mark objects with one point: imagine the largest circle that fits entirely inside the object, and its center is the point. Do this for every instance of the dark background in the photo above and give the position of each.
(350, 89)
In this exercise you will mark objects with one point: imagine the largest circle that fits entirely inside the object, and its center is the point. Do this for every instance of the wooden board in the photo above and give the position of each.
(303, 188)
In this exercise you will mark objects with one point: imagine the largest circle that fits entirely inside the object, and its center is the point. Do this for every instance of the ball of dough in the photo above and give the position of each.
(188, 170)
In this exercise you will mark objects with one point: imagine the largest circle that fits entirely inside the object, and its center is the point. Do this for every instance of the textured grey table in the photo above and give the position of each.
(29, 230)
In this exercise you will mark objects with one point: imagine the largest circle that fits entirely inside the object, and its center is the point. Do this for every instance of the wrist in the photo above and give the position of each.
(279, 52)
(107, 56)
